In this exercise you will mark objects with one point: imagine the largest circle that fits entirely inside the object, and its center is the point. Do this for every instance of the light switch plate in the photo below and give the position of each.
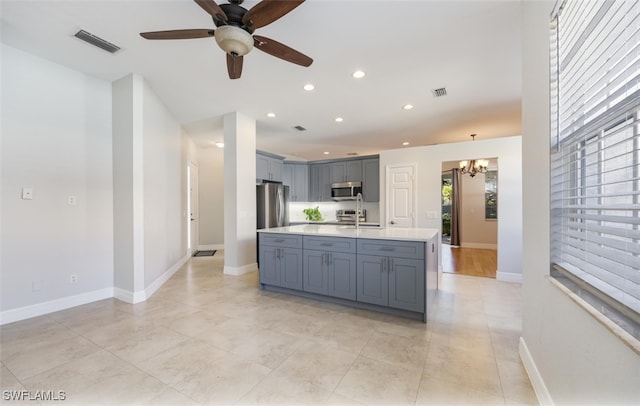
(27, 193)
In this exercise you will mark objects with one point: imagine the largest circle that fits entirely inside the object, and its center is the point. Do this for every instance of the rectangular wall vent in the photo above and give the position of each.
(97, 41)
(300, 128)
(439, 92)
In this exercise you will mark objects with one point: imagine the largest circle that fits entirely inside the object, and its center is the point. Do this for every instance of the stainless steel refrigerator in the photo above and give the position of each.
(271, 204)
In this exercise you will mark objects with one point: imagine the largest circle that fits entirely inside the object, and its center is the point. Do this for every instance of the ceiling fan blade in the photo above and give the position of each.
(273, 47)
(234, 66)
(178, 34)
(268, 11)
(212, 8)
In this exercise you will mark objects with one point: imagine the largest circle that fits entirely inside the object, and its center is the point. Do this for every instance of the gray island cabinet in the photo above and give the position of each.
(393, 271)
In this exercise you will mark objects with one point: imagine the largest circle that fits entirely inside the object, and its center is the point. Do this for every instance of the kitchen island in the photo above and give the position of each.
(390, 270)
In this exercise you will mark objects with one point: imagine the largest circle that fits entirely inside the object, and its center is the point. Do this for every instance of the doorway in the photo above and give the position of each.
(469, 209)
(192, 205)
(401, 195)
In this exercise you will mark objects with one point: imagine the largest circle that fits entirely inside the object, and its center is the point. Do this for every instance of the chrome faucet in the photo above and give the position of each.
(359, 203)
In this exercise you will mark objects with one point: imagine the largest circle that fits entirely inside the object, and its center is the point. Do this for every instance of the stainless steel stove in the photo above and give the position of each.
(345, 216)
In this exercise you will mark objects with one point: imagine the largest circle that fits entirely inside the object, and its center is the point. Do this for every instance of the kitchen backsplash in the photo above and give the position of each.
(328, 210)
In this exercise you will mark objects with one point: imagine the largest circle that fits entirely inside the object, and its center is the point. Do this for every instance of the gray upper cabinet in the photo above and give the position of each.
(346, 171)
(354, 171)
(319, 183)
(296, 176)
(269, 167)
(322, 174)
(338, 172)
(371, 180)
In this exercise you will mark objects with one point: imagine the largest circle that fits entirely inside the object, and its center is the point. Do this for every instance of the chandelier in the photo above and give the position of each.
(473, 166)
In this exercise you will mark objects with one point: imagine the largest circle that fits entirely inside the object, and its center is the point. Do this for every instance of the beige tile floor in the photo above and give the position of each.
(207, 338)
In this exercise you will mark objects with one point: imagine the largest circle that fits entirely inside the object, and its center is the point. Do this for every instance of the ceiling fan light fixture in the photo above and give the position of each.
(233, 40)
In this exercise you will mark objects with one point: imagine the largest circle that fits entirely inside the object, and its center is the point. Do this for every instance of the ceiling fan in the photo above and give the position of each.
(235, 26)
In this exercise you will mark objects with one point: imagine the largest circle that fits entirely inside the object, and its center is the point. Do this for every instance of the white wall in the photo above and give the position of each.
(56, 138)
(211, 196)
(429, 161)
(571, 358)
(164, 187)
(150, 190)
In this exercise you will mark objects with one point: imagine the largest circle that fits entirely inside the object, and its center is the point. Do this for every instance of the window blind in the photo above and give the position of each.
(595, 147)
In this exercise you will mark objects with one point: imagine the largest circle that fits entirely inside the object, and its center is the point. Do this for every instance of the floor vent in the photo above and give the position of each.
(97, 41)
(300, 128)
(439, 92)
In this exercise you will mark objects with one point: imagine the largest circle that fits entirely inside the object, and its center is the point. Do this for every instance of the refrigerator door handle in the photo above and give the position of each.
(279, 207)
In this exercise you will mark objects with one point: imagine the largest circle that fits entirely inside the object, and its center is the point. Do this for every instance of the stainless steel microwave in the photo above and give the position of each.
(345, 190)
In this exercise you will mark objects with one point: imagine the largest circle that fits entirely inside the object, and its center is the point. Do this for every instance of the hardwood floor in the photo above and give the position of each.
(469, 261)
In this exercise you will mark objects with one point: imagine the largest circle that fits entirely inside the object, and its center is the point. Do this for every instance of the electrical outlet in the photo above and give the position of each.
(71, 200)
(73, 278)
(36, 285)
(27, 193)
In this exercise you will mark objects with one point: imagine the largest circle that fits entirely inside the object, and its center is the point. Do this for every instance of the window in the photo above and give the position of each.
(595, 154)
(491, 195)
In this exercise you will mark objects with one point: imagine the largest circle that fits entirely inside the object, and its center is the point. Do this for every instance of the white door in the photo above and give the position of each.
(401, 195)
(192, 220)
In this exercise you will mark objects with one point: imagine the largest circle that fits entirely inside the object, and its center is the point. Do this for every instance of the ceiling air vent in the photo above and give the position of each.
(97, 41)
(300, 128)
(439, 92)
(352, 153)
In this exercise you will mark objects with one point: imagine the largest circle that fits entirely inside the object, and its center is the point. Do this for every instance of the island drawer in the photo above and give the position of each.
(391, 248)
(281, 240)
(333, 244)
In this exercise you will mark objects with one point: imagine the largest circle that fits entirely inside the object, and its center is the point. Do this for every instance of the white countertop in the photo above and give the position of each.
(392, 233)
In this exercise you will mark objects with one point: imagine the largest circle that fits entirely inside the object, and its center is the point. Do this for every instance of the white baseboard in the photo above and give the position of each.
(157, 284)
(479, 245)
(542, 393)
(241, 270)
(142, 295)
(509, 277)
(210, 247)
(129, 296)
(39, 309)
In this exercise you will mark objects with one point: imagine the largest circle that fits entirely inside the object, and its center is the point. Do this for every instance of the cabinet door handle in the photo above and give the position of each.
(330, 255)
(390, 264)
(387, 249)
(327, 244)
(384, 264)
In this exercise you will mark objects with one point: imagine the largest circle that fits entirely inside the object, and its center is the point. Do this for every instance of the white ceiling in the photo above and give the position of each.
(407, 48)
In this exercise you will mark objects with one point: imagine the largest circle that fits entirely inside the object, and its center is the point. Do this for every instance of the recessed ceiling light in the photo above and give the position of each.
(326, 152)
(220, 144)
(405, 143)
(309, 87)
(358, 74)
(271, 115)
(407, 106)
(339, 119)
